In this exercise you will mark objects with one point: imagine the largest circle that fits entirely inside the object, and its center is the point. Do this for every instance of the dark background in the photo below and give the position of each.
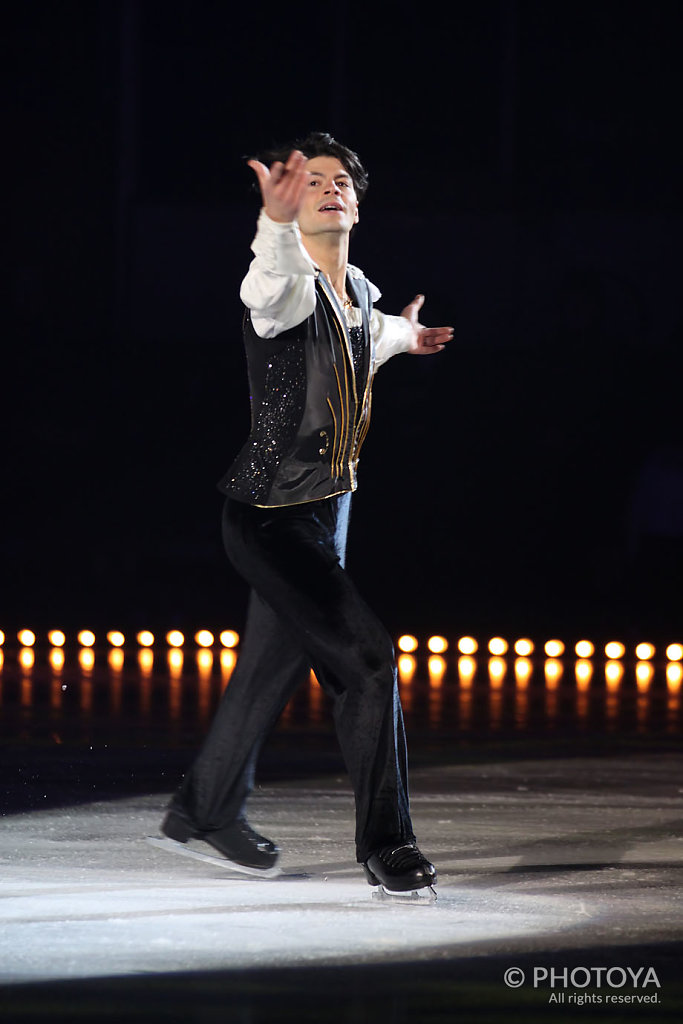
(525, 175)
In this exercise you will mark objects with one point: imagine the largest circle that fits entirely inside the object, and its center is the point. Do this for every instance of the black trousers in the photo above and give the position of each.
(304, 611)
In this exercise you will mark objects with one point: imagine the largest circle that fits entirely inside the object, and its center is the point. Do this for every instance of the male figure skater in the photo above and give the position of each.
(313, 343)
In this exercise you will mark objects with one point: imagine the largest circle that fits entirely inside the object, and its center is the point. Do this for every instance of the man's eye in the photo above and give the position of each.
(343, 184)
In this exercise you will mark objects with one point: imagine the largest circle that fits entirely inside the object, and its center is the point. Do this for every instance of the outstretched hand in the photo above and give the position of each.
(427, 340)
(282, 186)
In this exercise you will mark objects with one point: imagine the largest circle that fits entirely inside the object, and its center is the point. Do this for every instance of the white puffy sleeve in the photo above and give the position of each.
(279, 288)
(390, 334)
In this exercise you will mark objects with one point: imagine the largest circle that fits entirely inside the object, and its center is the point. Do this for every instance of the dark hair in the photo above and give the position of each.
(322, 144)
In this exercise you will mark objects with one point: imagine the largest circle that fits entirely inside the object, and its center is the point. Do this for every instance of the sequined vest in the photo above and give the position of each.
(310, 405)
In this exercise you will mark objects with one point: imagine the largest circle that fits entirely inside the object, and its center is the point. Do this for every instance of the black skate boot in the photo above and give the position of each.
(240, 848)
(402, 871)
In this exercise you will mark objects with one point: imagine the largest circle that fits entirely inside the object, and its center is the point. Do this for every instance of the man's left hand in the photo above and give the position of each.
(427, 340)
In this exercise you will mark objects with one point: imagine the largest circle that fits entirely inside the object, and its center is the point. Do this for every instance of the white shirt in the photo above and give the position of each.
(279, 289)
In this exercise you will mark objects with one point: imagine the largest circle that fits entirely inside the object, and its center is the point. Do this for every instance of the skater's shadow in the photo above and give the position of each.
(580, 852)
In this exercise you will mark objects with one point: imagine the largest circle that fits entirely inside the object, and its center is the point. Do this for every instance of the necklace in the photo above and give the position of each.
(344, 301)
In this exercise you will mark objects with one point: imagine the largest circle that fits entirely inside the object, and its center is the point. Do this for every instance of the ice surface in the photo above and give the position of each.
(529, 856)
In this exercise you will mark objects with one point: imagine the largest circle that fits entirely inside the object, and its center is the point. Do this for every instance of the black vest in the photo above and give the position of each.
(310, 391)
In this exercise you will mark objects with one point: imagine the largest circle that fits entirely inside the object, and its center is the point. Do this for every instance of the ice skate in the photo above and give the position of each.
(402, 874)
(237, 847)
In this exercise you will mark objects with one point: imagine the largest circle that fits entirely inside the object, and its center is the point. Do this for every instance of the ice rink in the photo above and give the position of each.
(571, 865)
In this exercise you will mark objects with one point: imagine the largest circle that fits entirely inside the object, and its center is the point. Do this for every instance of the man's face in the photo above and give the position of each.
(330, 202)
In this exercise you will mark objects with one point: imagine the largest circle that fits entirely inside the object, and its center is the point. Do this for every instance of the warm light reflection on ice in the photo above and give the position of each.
(204, 663)
(56, 659)
(553, 671)
(27, 658)
(583, 671)
(524, 668)
(645, 671)
(437, 669)
(86, 659)
(467, 669)
(72, 684)
(497, 671)
(228, 662)
(115, 659)
(614, 673)
(145, 661)
(406, 665)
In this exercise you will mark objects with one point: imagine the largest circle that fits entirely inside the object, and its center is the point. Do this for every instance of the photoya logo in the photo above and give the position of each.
(584, 977)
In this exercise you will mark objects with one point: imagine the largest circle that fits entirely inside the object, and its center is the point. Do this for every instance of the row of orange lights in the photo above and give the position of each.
(407, 644)
(524, 648)
(203, 638)
(553, 671)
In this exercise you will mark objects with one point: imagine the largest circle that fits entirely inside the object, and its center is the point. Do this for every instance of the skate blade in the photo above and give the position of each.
(171, 846)
(424, 897)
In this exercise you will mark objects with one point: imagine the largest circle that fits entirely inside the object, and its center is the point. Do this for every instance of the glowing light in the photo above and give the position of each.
(437, 644)
(86, 638)
(614, 673)
(615, 649)
(524, 648)
(554, 648)
(56, 659)
(645, 651)
(228, 662)
(553, 672)
(116, 638)
(498, 646)
(145, 638)
(204, 660)
(497, 669)
(407, 643)
(644, 674)
(584, 649)
(468, 645)
(583, 670)
(115, 659)
(467, 668)
(175, 662)
(406, 667)
(86, 658)
(175, 638)
(437, 669)
(56, 638)
(2, 638)
(146, 659)
(27, 657)
(229, 638)
(674, 675)
(523, 670)
(204, 638)
(26, 637)
(674, 652)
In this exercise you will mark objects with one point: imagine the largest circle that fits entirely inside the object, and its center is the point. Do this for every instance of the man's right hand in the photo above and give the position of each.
(282, 186)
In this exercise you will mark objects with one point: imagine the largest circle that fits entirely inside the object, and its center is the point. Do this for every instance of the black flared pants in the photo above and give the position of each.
(304, 611)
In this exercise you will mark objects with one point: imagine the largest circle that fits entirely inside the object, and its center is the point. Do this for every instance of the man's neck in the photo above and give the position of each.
(330, 252)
